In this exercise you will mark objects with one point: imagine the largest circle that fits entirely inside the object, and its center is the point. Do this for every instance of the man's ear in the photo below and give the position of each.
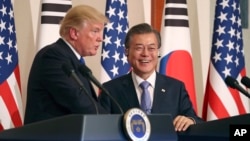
(73, 33)
(126, 52)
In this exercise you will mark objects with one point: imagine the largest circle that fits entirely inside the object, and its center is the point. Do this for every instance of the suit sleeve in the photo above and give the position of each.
(63, 89)
(186, 107)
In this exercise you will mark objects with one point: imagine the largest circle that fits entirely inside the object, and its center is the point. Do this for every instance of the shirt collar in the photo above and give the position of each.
(78, 56)
(138, 79)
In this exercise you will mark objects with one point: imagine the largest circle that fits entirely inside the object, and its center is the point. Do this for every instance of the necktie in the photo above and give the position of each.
(145, 97)
(82, 60)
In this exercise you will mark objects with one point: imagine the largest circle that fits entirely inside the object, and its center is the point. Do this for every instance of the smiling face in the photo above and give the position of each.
(143, 54)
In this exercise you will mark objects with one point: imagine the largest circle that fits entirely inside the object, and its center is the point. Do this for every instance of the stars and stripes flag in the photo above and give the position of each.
(52, 12)
(176, 55)
(11, 108)
(113, 59)
(227, 59)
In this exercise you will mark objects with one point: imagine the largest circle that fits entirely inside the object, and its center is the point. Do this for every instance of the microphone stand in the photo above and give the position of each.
(71, 72)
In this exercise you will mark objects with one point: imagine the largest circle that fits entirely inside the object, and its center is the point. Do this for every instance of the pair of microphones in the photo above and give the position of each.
(87, 73)
(233, 83)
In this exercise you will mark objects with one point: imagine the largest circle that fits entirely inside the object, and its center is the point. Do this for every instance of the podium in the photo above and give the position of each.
(88, 128)
(216, 130)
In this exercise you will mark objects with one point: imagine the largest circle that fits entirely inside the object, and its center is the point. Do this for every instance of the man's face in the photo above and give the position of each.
(89, 38)
(143, 54)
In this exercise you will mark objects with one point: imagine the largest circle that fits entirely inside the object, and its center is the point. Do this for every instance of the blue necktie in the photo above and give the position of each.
(145, 97)
(82, 60)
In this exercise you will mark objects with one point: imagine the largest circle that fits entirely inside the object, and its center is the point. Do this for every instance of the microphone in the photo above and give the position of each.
(233, 83)
(246, 81)
(71, 73)
(85, 71)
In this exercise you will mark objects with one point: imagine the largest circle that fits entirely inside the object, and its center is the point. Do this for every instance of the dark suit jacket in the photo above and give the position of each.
(170, 96)
(51, 93)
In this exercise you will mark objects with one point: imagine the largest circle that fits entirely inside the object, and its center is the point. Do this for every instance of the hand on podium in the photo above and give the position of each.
(181, 123)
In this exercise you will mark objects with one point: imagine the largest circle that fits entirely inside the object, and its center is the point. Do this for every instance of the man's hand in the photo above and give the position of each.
(181, 123)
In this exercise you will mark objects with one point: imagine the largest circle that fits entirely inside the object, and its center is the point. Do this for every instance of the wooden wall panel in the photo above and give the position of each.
(156, 13)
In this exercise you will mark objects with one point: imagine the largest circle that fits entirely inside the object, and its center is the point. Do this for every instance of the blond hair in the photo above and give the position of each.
(78, 15)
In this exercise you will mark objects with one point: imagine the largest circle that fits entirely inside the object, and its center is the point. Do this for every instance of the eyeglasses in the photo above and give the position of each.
(150, 48)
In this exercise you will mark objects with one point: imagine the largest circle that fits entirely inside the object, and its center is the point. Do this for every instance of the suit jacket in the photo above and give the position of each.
(170, 96)
(51, 93)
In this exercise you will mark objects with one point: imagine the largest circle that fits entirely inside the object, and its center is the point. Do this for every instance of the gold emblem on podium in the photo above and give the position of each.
(137, 125)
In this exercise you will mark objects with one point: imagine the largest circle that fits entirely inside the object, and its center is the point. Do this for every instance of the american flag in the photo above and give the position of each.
(11, 108)
(176, 52)
(227, 59)
(52, 12)
(113, 59)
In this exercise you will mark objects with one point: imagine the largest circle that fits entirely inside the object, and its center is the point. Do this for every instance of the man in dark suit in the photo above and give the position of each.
(51, 93)
(166, 94)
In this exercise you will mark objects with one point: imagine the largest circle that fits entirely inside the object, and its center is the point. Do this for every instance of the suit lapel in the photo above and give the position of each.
(75, 63)
(129, 92)
(160, 92)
